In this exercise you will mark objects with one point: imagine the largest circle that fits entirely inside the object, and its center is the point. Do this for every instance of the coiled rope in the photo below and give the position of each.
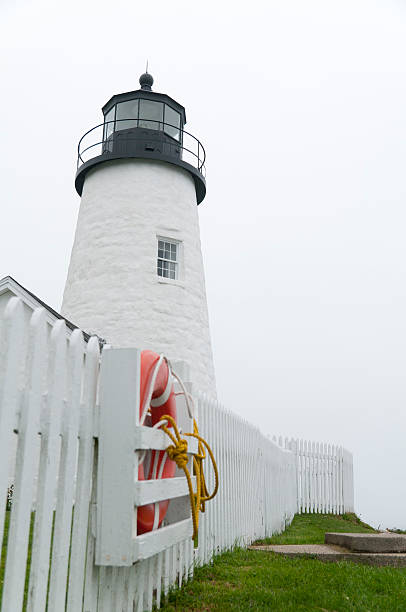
(178, 453)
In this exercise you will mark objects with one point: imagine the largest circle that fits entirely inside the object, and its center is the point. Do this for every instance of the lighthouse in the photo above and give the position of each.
(136, 274)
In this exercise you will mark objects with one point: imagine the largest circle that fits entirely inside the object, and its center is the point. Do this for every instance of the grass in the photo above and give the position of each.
(251, 580)
(310, 528)
(4, 554)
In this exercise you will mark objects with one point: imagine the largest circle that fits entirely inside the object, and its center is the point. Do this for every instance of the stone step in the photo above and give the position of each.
(332, 552)
(369, 542)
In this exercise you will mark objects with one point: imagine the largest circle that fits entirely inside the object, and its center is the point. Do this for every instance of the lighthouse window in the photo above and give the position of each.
(168, 259)
(109, 127)
(151, 114)
(127, 110)
(173, 119)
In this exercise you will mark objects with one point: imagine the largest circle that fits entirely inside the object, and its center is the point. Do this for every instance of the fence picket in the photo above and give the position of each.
(84, 479)
(91, 589)
(11, 355)
(49, 459)
(159, 561)
(67, 471)
(23, 496)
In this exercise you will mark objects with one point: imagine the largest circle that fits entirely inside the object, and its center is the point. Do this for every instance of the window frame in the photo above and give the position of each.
(177, 261)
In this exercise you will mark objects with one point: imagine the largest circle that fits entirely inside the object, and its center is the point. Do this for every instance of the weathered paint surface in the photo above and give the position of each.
(112, 287)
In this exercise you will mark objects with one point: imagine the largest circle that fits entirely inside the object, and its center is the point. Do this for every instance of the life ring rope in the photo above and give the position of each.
(148, 396)
(190, 404)
(178, 453)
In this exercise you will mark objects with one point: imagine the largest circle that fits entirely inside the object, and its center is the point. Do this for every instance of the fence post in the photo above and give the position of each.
(119, 415)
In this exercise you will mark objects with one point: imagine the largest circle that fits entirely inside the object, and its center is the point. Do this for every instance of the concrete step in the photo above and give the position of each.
(332, 552)
(368, 542)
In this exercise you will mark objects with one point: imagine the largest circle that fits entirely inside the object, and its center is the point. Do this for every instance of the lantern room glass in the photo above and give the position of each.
(109, 122)
(172, 122)
(129, 111)
(143, 113)
(151, 114)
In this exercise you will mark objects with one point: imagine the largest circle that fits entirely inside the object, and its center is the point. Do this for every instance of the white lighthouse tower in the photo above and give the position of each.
(136, 273)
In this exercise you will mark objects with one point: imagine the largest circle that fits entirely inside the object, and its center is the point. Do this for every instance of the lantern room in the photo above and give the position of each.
(147, 125)
(144, 109)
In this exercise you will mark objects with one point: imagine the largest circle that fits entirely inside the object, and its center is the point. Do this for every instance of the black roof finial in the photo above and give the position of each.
(146, 80)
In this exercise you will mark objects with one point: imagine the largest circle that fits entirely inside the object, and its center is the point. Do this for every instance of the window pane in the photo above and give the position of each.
(172, 270)
(127, 110)
(165, 268)
(151, 110)
(173, 252)
(173, 118)
(109, 127)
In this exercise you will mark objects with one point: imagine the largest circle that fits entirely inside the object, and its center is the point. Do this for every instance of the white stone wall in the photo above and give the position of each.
(113, 288)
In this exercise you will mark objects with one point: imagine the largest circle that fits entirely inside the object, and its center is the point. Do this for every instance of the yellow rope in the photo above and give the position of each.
(178, 453)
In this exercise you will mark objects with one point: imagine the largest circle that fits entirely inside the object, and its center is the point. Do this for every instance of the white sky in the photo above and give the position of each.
(301, 107)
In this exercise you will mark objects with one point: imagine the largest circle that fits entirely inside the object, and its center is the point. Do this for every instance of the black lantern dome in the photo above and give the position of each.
(146, 81)
(147, 125)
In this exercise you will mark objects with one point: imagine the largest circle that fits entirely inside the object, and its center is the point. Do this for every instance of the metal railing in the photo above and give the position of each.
(187, 148)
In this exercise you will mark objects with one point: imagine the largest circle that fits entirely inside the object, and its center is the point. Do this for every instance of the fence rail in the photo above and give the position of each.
(51, 434)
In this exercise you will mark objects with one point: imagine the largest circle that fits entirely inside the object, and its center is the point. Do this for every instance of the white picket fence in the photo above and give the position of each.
(257, 496)
(324, 477)
(52, 439)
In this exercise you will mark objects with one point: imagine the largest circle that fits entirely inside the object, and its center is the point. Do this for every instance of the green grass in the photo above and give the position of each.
(251, 580)
(310, 528)
(4, 554)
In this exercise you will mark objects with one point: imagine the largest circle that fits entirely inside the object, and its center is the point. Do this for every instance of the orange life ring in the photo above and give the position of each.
(155, 403)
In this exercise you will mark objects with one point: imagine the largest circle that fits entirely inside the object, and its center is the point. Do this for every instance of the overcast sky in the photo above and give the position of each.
(301, 107)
